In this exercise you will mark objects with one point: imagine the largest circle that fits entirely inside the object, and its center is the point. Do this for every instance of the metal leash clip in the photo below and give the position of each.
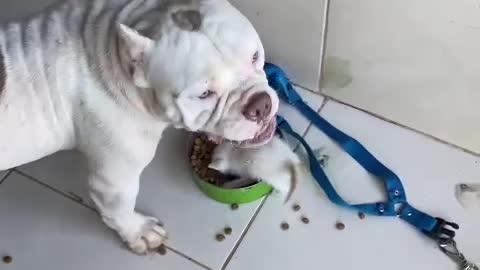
(449, 247)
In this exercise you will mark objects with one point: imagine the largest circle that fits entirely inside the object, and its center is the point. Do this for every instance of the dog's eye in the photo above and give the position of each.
(207, 94)
(255, 57)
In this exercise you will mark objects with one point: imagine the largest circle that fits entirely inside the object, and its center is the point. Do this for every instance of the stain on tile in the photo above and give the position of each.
(337, 73)
(468, 195)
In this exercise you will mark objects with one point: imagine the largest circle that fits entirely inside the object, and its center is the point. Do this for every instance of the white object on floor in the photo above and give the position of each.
(468, 195)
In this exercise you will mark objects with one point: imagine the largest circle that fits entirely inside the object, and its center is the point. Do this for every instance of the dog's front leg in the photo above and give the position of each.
(114, 185)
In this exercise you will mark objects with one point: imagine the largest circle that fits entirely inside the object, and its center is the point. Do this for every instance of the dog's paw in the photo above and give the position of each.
(149, 236)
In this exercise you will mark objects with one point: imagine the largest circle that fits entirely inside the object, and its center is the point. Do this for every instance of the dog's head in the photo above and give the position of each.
(204, 63)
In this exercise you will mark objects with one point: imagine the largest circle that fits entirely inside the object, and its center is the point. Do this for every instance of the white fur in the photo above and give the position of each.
(108, 76)
(274, 163)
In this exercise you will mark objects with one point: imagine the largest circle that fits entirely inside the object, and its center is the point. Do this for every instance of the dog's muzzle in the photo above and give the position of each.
(258, 107)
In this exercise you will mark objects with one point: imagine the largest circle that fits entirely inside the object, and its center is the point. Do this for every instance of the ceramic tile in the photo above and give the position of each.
(387, 57)
(292, 40)
(44, 230)
(169, 193)
(429, 170)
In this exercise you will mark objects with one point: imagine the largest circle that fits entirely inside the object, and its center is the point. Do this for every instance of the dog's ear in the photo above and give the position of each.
(138, 49)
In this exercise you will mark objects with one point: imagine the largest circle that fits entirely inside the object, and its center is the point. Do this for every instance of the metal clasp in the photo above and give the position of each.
(449, 247)
(444, 229)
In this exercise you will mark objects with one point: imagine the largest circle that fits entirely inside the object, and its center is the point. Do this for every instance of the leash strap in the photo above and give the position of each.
(396, 205)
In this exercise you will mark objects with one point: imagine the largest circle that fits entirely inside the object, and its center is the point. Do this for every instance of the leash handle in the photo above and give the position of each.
(435, 228)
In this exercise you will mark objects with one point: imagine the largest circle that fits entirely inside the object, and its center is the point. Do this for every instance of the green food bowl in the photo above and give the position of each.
(229, 195)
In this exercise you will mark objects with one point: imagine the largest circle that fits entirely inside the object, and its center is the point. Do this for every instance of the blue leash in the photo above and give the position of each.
(396, 205)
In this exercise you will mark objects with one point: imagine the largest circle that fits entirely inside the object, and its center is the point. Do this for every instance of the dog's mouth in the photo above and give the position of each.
(261, 138)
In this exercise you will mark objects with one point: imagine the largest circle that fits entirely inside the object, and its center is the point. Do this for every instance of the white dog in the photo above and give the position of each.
(108, 76)
(274, 163)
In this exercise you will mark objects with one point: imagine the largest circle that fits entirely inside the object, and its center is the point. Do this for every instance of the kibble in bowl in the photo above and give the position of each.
(220, 187)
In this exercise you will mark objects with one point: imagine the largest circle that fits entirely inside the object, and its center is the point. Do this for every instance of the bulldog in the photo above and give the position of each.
(107, 77)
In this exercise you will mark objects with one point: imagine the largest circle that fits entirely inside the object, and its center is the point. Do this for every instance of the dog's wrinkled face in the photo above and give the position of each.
(206, 69)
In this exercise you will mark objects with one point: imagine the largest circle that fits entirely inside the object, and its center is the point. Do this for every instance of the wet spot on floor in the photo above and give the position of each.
(336, 73)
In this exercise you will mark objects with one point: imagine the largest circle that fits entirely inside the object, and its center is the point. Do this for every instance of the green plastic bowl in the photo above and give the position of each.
(229, 195)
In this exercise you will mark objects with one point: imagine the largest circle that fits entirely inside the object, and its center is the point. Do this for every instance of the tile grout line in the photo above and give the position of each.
(409, 128)
(3, 178)
(324, 102)
(31, 178)
(393, 122)
(188, 258)
(244, 233)
(323, 47)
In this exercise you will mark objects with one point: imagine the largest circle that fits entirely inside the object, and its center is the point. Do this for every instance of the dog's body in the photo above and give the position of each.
(106, 77)
(274, 163)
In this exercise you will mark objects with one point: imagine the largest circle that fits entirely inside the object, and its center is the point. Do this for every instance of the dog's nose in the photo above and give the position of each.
(258, 107)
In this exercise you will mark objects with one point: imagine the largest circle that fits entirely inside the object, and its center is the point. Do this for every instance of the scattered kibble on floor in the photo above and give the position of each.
(7, 259)
(162, 250)
(234, 206)
(340, 226)
(284, 226)
(305, 220)
(220, 237)
(227, 230)
(296, 207)
(361, 215)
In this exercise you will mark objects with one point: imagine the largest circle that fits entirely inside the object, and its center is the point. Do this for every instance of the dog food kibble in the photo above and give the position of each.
(284, 226)
(7, 259)
(201, 157)
(340, 226)
(162, 250)
(227, 230)
(361, 215)
(234, 206)
(220, 237)
(296, 207)
(305, 220)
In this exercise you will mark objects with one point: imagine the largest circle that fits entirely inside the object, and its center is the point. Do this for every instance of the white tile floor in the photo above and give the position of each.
(49, 227)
